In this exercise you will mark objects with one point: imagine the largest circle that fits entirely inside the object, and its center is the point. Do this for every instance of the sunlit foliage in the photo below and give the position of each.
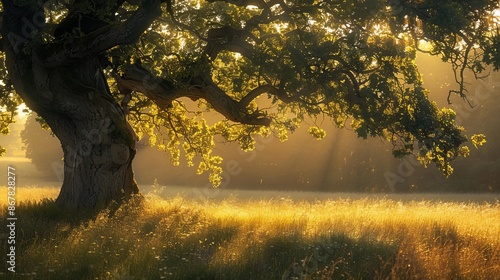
(8, 101)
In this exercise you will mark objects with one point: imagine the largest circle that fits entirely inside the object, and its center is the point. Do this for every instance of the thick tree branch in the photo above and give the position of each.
(61, 53)
(229, 39)
(20, 28)
(232, 109)
(253, 94)
(161, 92)
(137, 78)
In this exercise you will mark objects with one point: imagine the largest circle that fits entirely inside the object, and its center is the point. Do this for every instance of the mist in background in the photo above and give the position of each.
(339, 162)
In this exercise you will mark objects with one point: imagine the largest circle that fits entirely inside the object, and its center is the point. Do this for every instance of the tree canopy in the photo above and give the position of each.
(266, 67)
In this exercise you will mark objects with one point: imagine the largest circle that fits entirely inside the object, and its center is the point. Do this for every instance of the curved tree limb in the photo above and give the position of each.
(61, 53)
(229, 39)
(162, 93)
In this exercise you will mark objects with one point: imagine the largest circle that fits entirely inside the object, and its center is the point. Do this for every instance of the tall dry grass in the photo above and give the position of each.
(183, 238)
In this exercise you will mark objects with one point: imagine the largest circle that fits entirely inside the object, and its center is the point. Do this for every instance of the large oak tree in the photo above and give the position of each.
(103, 74)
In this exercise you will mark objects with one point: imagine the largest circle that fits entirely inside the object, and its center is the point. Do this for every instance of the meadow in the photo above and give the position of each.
(250, 236)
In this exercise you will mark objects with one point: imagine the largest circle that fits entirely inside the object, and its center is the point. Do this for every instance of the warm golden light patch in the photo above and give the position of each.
(23, 110)
(424, 45)
(496, 16)
(174, 237)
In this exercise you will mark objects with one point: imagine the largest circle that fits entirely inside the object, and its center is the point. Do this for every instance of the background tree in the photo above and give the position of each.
(104, 73)
(41, 148)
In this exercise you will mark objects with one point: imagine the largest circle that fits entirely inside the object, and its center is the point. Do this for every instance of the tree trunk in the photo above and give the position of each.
(97, 141)
(97, 166)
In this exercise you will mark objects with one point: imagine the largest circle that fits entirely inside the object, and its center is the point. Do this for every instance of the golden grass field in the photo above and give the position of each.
(273, 238)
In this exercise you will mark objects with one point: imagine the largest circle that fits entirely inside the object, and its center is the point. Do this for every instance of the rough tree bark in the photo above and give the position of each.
(65, 84)
(97, 142)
